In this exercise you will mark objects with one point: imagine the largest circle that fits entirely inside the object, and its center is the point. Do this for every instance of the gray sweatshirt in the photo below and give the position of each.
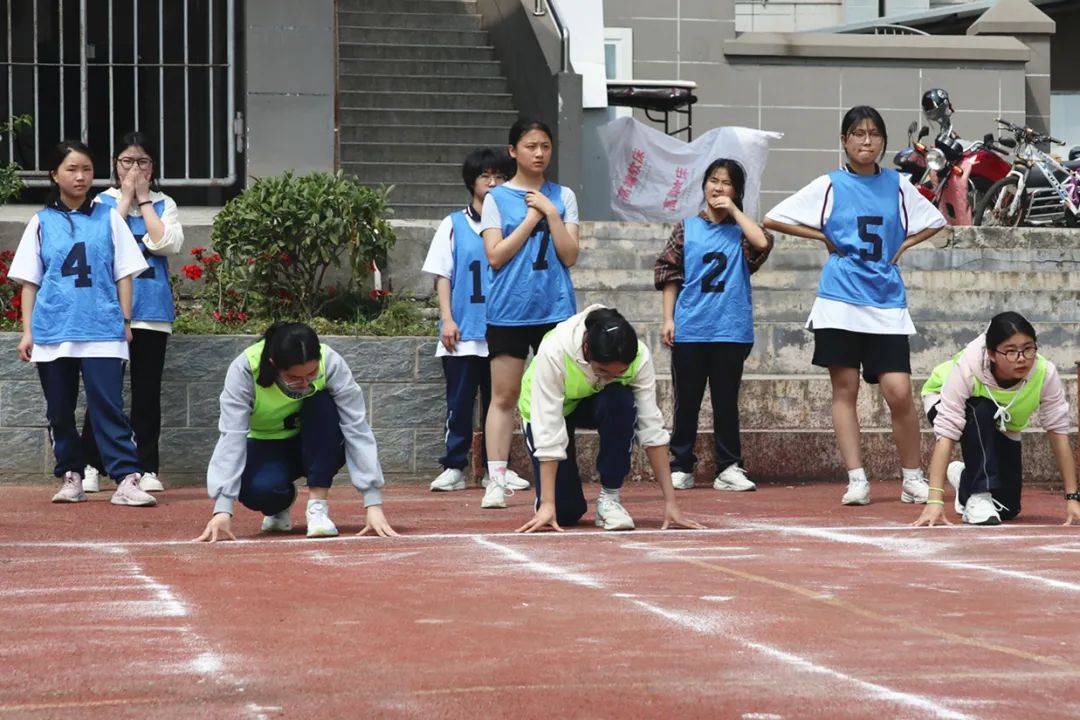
(237, 401)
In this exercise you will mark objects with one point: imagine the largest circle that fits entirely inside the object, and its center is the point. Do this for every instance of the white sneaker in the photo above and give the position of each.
(319, 523)
(611, 515)
(953, 473)
(858, 493)
(982, 509)
(150, 482)
(494, 496)
(733, 478)
(513, 481)
(71, 490)
(91, 481)
(448, 481)
(128, 493)
(682, 480)
(916, 490)
(280, 521)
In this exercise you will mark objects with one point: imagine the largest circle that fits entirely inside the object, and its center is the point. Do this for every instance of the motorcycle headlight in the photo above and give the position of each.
(935, 159)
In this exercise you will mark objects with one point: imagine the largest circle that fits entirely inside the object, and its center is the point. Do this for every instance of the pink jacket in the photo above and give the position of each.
(1053, 413)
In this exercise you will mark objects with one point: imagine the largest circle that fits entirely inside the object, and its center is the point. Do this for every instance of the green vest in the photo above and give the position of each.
(1018, 405)
(276, 416)
(577, 383)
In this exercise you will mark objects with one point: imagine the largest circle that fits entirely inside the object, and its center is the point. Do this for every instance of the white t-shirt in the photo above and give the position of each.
(812, 207)
(440, 263)
(172, 240)
(492, 218)
(27, 267)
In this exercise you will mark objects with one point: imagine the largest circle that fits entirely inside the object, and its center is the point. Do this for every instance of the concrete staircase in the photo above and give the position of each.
(419, 87)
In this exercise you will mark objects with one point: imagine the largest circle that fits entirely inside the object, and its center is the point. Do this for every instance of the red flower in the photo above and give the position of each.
(16, 300)
(198, 251)
(376, 294)
(211, 259)
(193, 272)
(11, 315)
(216, 315)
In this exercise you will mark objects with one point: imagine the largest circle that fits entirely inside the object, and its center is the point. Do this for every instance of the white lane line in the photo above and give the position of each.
(919, 550)
(716, 626)
(742, 528)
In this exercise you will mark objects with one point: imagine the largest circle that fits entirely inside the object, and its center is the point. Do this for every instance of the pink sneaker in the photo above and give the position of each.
(71, 491)
(128, 493)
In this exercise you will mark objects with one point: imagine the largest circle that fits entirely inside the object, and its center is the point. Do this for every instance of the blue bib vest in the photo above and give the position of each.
(153, 297)
(77, 301)
(470, 279)
(865, 226)
(534, 287)
(714, 303)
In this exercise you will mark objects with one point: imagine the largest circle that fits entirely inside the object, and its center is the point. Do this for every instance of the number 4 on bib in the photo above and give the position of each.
(75, 264)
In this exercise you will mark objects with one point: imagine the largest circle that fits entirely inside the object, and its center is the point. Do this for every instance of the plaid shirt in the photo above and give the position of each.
(669, 266)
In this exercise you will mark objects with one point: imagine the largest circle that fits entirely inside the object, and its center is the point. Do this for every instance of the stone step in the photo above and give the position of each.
(391, 117)
(446, 153)
(402, 99)
(372, 51)
(448, 194)
(472, 136)
(424, 83)
(388, 171)
(589, 277)
(412, 36)
(794, 305)
(418, 20)
(424, 212)
(441, 7)
(358, 67)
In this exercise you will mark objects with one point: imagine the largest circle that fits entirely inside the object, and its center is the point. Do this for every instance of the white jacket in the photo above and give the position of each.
(546, 420)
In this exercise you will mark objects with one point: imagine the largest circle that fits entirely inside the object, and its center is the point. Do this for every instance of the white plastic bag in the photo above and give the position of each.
(657, 178)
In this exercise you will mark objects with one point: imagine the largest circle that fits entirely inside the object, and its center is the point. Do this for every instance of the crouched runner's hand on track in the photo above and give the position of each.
(1072, 512)
(219, 525)
(932, 514)
(376, 523)
(544, 516)
(673, 516)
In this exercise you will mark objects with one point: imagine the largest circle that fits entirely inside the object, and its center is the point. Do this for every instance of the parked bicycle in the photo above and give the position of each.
(1039, 190)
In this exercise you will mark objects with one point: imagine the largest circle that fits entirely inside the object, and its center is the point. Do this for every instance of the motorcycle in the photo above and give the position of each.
(1038, 190)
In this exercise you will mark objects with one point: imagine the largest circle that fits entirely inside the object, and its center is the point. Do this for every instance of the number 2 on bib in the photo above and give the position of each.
(709, 283)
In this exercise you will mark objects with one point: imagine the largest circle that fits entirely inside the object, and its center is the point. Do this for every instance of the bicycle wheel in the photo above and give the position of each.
(993, 208)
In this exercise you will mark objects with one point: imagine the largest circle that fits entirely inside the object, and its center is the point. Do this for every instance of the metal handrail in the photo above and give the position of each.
(893, 29)
(564, 34)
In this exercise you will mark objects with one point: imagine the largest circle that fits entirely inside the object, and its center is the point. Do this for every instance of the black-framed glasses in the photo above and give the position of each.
(128, 162)
(1024, 353)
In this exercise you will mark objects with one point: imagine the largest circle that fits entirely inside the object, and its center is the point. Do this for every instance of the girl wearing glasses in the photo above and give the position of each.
(291, 407)
(982, 398)
(867, 219)
(152, 217)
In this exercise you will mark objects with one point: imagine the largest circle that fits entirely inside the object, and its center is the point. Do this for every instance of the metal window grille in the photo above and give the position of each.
(95, 69)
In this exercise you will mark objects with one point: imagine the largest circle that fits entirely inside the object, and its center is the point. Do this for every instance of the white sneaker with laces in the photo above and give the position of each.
(495, 495)
(150, 482)
(449, 480)
(733, 478)
(982, 509)
(91, 481)
(915, 490)
(611, 515)
(128, 493)
(682, 480)
(319, 523)
(858, 492)
(953, 473)
(513, 481)
(71, 489)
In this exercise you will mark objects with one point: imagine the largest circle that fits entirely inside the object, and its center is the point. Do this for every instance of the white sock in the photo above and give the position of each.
(497, 471)
(313, 501)
(912, 473)
(609, 493)
(856, 474)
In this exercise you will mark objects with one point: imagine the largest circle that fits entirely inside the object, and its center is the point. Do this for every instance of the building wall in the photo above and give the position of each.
(804, 97)
(787, 15)
(290, 77)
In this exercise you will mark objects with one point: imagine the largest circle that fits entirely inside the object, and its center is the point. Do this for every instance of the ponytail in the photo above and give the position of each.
(610, 337)
(286, 344)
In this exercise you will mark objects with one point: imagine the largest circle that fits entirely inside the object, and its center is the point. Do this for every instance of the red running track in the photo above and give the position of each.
(789, 606)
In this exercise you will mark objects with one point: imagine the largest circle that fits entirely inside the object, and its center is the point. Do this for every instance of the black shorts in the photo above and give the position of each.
(515, 340)
(874, 354)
